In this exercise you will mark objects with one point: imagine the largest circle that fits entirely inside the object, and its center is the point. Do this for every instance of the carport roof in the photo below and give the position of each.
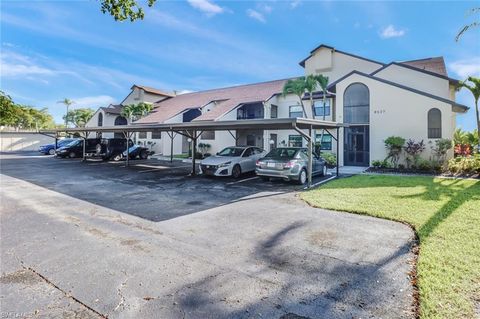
(261, 124)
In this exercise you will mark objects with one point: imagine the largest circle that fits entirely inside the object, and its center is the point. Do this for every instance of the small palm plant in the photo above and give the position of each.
(473, 85)
(296, 86)
(67, 102)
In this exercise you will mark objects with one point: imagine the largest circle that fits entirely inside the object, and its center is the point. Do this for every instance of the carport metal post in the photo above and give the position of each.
(194, 152)
(84, 155)
(309, 153)
(56, 142)
(127, 137)
(338, 142)
(172, 136)
(310, 157)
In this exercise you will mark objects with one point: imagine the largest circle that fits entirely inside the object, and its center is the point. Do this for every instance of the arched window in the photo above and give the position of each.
(434, 123)
(120, 120)
(100, 119)
(356, 104)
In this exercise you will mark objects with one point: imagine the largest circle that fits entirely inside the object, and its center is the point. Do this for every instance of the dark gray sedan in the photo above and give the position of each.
(289, 163)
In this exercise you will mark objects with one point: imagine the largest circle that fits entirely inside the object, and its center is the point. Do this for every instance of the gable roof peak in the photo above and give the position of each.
(302, 63)
(152, 90)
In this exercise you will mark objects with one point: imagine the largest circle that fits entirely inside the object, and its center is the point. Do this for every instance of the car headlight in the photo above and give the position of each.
(224, 164)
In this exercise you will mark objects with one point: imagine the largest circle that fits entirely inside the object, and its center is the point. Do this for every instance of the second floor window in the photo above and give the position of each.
(295, 111)
(320, 110)
(274, 112)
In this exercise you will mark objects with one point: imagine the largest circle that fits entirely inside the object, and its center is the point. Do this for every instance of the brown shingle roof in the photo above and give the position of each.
(435, 65)
(227, 99)
(113, 109)
(153, 90)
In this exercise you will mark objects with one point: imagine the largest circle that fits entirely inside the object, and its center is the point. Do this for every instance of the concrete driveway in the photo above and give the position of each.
(242, 251)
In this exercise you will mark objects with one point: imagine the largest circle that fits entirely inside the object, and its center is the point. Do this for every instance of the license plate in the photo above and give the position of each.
(270, 164)
(208, 166)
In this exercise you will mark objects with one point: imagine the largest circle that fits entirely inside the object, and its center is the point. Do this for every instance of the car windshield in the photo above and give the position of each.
(72, 143)
(65, 142)
(231, 151)
(282, 153)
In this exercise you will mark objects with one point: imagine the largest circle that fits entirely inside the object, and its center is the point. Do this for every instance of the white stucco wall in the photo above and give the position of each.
(418, 80)
(138, 95)
(17, 141)
(335, 64)
(108, 120)
(395, 111)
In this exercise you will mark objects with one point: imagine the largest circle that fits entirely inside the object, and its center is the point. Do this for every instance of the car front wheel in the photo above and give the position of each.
(51, 152)
(236, 171)
(71, 155)
(302, 177)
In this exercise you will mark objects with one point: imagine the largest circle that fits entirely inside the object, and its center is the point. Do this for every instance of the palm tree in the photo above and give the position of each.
(143, 108)
(296, 86)
(310, 87)
(468, 26)
(67, 102)
(323, 83)
(473, 85)
(128, 112)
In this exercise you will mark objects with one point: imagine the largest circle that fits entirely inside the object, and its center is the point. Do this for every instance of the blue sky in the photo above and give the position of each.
(56, 49)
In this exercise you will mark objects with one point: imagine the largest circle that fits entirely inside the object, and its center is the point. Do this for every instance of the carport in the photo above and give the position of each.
(194, 129)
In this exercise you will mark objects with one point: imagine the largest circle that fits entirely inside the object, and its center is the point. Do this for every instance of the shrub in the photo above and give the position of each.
(330, 158)
(204, 147)
(376, 164)
(413, 150)
(424, 165)
(381, 164)
(441, 148)
(394, 145)
(464, 165)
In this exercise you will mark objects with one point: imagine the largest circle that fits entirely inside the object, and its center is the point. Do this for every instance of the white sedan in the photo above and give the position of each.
(232, 161)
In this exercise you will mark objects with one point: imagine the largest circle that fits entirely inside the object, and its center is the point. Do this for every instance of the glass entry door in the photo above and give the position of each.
(356, 146)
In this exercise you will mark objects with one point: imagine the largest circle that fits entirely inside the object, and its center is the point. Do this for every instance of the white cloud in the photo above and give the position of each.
(266, 8)
(256, 15)
(391, 32)
(296, 3)
(466, 68)
(93, 101)
(14, 65)
(206, 6)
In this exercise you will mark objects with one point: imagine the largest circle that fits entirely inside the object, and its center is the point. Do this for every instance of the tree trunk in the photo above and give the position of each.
(303, 106)
(478, 124)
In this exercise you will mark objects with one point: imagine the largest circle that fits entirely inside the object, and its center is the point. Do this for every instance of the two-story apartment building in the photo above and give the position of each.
(112, 114)
(412, 99)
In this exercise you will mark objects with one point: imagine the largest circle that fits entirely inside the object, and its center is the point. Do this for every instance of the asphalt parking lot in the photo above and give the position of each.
(147, 188)
(98, 240)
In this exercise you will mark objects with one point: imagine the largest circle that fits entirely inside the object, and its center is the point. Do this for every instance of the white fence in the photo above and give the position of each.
(22, 141)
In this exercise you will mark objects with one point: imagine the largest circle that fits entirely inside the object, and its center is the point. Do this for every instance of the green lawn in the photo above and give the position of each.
(446, 216)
